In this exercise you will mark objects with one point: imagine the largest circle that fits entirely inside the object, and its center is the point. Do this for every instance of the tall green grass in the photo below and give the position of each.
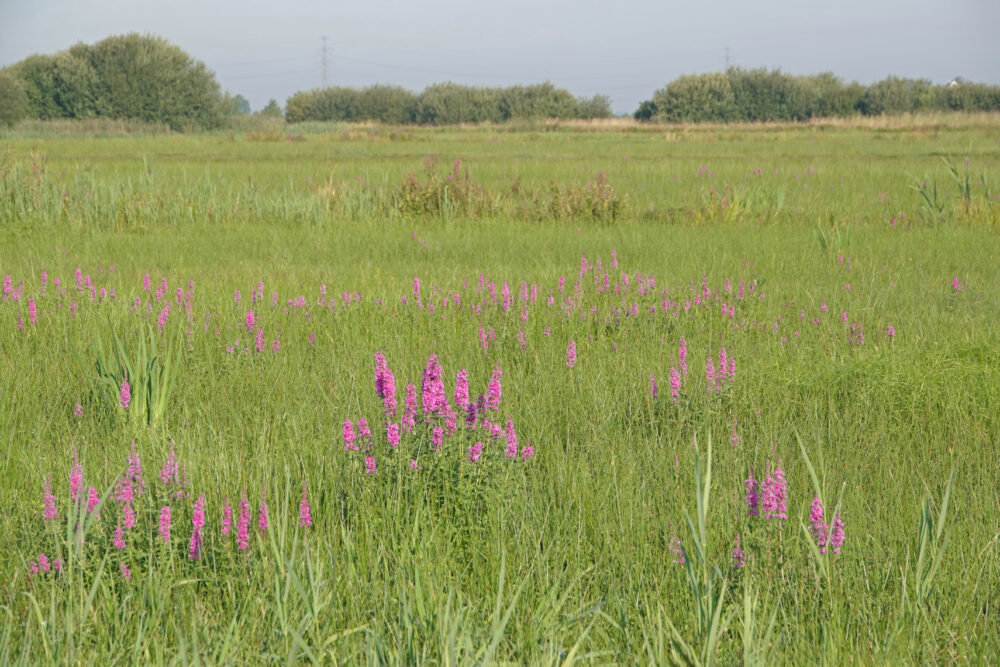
(565, 557)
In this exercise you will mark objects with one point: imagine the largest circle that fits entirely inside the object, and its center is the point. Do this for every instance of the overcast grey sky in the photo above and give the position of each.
(266, 49)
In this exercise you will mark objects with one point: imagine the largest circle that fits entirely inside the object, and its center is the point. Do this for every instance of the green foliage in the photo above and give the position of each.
(758, 95)
(13, 100)
(240, 105)
(704, 97)
(443, 104)
(451, 103)
(131, 76)
(152, 374)
(272, 110)
(598, 106)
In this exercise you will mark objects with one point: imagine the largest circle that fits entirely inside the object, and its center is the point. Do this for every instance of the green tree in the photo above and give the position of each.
(241, 105)
(387, 104)
(701, 97)
(450, 103)
(13, 100)
(147, 78)
(598, 106)
(272, 109)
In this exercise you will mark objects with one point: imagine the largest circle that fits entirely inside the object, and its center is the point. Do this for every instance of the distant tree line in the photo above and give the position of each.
(762, 95)
(443, 104)
(145, 78)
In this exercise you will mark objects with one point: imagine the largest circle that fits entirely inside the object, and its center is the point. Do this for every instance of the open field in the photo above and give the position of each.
(844, 278)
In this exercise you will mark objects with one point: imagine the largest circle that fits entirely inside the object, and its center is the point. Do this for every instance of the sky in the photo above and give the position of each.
(625, 49)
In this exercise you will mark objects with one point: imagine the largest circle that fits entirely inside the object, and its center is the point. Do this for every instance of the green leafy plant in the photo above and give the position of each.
(151, 372)
(706, 582)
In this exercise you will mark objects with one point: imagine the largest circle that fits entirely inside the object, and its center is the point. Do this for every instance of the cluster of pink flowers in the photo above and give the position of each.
(769, 496)
(825, 535)
(440, 418)
(128, 490)
(718, 375)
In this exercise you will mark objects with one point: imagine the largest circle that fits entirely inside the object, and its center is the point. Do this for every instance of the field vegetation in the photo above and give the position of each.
(549, 392)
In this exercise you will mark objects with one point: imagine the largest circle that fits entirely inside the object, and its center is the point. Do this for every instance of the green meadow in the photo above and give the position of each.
(834, 287)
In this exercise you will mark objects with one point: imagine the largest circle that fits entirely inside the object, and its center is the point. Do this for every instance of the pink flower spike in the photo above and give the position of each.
(118, 540)
(305, 515)
(165, 523)
(48, 501)
(243, 525)
(75, 478)
(227, 518)
(125, 396)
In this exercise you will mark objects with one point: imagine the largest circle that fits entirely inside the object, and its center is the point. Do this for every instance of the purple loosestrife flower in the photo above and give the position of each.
(682, 354)
(124, 493)
(165, 523)
(262, 519)
(125, 397)
(494, 391)
(710, 373)
(194, 546)
(511, 451)
(32, 312)
(389, 389)
(819, 527)
(77, 410)
(571, 354)
(752, 495)
(168, 472)
(738, 555)
(198, 513)
(243, 524)
(461, 388)
(48, 501)
(128, 516)
(392, 434)
(118, 539)
(75, 478)
(837, 534)
(126, 573)
(260, 343)
(774, 495)
(475, 452)
(410, 408)
(349, 437)
(432, 387)
(305, 514)
(450, 420)
(135, 471)
(527, 452)
(251, 320)
(370, 465)
(92, 500)
(227, 518)
(678, 551)
(675, 384)
(380, 369)
(364, 433)
(437, 437)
